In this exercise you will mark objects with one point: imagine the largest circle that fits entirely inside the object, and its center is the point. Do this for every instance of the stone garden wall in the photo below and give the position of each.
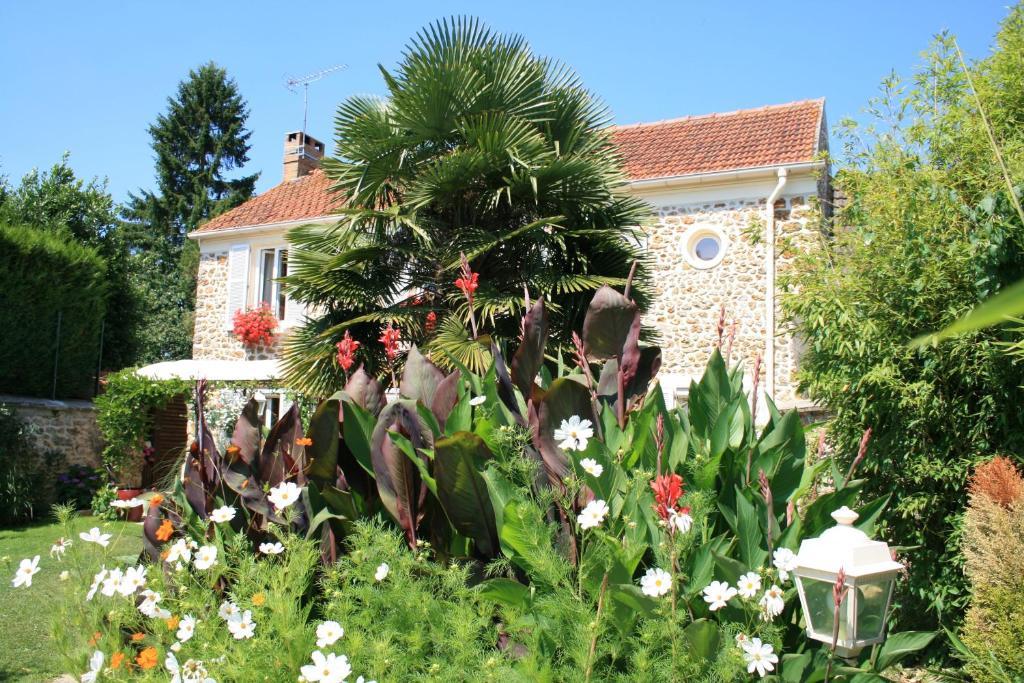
(67, 427)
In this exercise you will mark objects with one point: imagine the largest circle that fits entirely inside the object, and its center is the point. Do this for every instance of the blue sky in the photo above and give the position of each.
(89, 77)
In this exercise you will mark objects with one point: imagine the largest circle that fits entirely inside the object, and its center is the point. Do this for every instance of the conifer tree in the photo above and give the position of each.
(198, 141)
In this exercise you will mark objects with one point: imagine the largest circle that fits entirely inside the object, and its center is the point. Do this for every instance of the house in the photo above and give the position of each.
(735, 194)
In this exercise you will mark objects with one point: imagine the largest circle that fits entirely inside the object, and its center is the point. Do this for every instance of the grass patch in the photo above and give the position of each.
(27, 652)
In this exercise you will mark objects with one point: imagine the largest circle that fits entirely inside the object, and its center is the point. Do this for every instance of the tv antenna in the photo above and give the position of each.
(304, 81)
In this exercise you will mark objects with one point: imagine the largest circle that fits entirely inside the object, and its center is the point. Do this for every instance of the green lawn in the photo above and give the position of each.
(25, 613)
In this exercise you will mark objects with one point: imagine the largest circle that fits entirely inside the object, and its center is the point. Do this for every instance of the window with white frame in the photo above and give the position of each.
(273, 264)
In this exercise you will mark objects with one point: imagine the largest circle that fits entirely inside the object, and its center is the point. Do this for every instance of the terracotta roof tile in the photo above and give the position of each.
(750, 138)
(305, 197)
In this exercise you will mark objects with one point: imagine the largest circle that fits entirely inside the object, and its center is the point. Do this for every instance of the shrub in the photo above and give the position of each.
(124, 413)
(101, 500)
(78, 485)
(993, 543)
(927, 234)
(26, 475)
(44, 274)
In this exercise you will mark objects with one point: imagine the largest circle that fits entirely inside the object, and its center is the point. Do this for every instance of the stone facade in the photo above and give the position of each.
(688, 300)
(212, 339)
(67, 427)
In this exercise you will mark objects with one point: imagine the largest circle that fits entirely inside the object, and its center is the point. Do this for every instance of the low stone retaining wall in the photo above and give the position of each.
(68, 427)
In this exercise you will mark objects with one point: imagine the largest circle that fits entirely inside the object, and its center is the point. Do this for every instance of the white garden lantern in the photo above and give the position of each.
(870, 573)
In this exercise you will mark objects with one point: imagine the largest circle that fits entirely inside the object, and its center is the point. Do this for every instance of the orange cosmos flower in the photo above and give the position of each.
(306, 441)
(147, 658)
(136, 637)
(165, 531)
(156, 500)
(172, 623)
(95, 638)
(258, 599)
(116, 659)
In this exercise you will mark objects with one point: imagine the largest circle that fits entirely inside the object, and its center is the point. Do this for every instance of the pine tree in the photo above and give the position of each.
(197, 141)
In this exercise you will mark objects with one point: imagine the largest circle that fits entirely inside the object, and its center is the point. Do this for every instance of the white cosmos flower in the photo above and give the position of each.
(96, 581)
(26, 570)
(741, 639)
(327, 669)
(243, 626)
(271, 548)
(64, 575)
(284, 494)
(112, 583)
(593, 514)
(150, 599)
(363, 680)
(225, 513)
(134, 579)
(95, 536)
(191, 670)
(327, 633)
(95, 666)
(784, 560)
(682, 521)
(186, 628)
(206, 557)
(382, 572)
(228, 610)
(772, 603)
(748, 585)
(573, 433)
(179, 552)
(60, 547)
(656, 582)
(591, 467)
(477, 400)
(717, 594)
(759, 656)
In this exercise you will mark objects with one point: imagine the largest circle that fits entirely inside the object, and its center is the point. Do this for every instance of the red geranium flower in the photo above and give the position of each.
(255, 326)
(668, 489)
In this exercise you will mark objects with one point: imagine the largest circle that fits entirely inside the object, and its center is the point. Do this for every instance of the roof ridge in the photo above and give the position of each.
(713, 115)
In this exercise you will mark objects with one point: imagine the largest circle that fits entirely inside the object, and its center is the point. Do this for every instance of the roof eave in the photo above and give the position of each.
(733, 175)
(259, 227)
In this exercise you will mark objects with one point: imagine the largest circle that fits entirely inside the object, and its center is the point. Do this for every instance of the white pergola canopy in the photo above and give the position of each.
(214, 370)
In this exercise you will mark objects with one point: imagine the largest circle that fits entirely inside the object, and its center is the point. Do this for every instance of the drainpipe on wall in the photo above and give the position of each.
(769, 272)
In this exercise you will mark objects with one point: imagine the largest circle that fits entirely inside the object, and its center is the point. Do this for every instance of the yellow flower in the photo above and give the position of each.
(258, 599)
(172, 623)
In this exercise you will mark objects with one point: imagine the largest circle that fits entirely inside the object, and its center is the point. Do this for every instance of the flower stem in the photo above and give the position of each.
(597, 628)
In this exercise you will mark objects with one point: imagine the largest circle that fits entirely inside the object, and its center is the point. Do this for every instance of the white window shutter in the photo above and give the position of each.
(238, 282)
(294, 313)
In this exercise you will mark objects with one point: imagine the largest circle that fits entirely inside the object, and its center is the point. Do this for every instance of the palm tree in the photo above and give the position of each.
(481, 148)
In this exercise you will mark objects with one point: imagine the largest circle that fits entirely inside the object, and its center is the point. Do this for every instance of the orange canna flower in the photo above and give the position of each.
(305, 441)
(156, 500)
(233, 452)
(95, 638)
(172, 623)
(116, 659)
(147, 658)
(136, 637)
(258, 599)
(165, 531)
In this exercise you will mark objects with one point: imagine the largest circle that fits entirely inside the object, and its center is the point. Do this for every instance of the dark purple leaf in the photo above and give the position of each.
(607, 324)
(528, 358)
(445, 398)
(420, 378)
(246, 436)
(366, 391)
(398, 480)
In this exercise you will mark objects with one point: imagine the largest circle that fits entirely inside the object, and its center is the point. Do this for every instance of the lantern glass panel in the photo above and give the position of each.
(821, 609)
(872, 599)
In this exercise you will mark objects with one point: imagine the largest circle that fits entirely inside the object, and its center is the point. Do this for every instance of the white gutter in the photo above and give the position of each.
(265, 227)
(720, 176)
(769, 278)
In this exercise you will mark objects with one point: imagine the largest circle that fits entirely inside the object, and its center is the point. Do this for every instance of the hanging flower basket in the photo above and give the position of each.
(255, 326)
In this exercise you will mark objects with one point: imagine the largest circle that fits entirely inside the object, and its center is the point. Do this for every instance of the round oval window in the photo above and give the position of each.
(707, 248)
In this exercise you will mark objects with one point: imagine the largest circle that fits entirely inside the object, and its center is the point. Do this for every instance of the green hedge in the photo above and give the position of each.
(43, 273)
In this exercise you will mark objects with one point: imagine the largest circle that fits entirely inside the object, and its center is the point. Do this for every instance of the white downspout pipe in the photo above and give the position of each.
(769, 278)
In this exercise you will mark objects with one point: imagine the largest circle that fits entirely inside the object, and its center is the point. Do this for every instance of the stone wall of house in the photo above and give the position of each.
(688, 300)
(67, 427)
(211, 338)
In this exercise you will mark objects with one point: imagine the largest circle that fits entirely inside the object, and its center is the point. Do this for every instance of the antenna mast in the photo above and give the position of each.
(304, 81)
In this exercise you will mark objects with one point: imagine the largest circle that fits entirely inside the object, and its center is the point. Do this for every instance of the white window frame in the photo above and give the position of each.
(695, 235)
(276, 295)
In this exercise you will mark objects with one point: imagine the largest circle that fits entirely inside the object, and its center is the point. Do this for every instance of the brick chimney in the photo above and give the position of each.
(302, 155)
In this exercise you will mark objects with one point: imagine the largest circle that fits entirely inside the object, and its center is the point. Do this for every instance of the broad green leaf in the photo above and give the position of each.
(357, 429)
(462, 490)
(506, 592)
(322, 454)
(704, 639)
(900, 645)
(749, 532)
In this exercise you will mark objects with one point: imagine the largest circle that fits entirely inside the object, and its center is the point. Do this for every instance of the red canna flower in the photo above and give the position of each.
(668, 489)
(431, 322)
(389, 338)
(468, 283)
(347, 348)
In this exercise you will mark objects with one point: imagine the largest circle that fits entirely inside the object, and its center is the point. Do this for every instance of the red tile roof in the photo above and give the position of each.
(305, 197)
(749, 138)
